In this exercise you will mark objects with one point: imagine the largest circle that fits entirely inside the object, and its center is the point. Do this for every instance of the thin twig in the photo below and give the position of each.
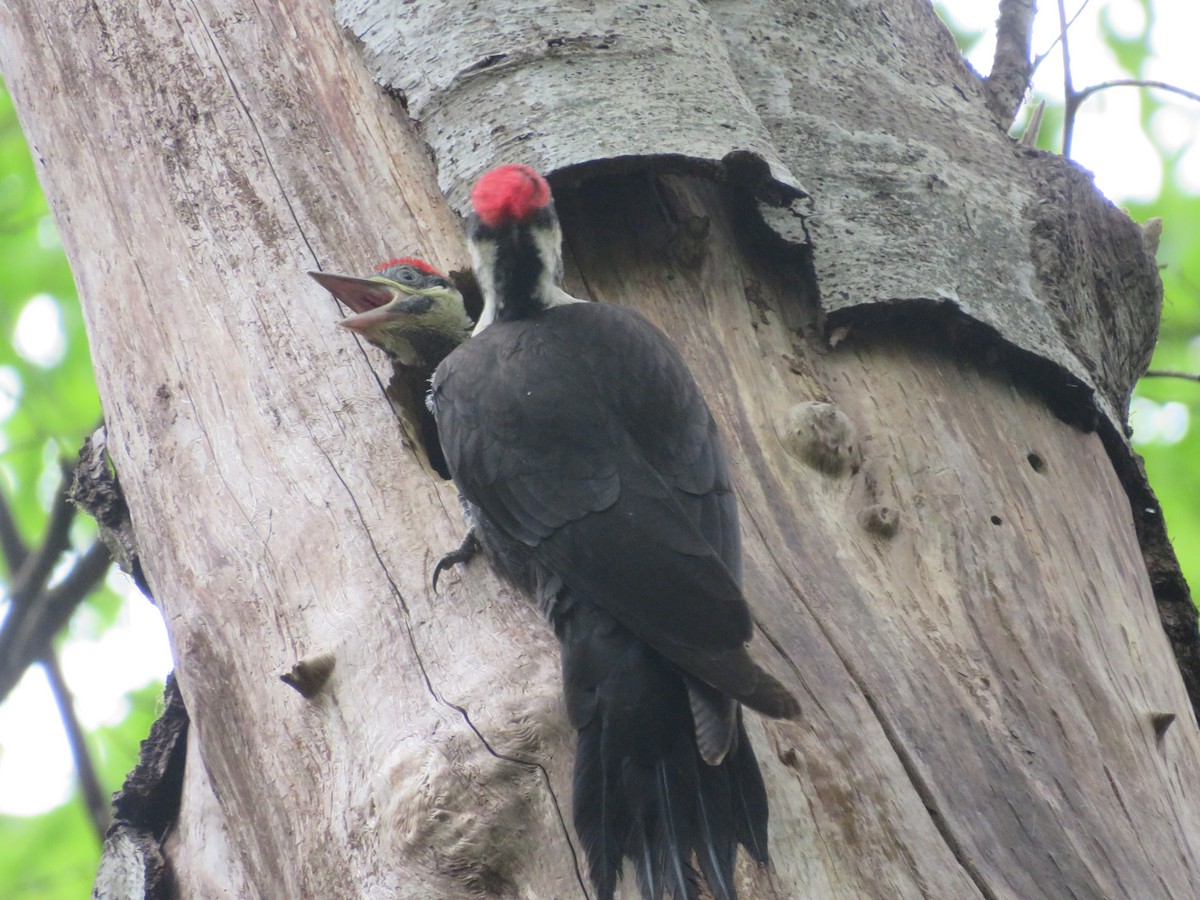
(1011, 67)
(25, 642)
(27, 585)
(1070, 99)
(1135, 82)
(1168, 373)
(98, 805)
(1041, 57)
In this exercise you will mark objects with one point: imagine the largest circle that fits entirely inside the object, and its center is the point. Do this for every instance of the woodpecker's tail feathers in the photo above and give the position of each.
(669, 818)
(642, 790)
(601, 811)
(748, 795)
(735, 674)
(664, 832)
(715, 718)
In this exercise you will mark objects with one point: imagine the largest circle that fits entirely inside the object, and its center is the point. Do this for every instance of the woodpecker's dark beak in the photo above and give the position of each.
(360, 294)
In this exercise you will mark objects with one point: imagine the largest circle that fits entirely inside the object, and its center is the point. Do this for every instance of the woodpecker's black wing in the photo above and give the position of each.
(580, 434)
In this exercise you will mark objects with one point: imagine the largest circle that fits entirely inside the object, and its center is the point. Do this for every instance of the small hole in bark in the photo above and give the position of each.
(1036, 462)
(996, 520)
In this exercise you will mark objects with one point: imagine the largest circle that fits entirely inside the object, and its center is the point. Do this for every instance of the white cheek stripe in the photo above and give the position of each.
(549, 245)
(549, 248)
(483, 258)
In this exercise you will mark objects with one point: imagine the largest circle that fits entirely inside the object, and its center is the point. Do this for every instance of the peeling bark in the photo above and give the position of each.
(145, 810)
(975, 638)
(556, 85)
(916, 196)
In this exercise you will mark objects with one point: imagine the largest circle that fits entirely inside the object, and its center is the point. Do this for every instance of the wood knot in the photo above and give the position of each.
(469, 813)
(821, 436)
(879, 519)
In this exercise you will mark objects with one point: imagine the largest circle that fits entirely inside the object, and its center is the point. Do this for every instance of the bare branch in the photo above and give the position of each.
(12, 545)
(1070, 99)
(1073, 98)
(1135, 82)
(98, 804)
(27, 584)
(29, 580)
(24, 641)
(1011, 65)
(1168, 373)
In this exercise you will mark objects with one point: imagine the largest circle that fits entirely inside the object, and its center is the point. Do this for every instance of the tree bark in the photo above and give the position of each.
(947, 574)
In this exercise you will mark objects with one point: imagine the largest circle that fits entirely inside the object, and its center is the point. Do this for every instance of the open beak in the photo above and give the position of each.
(370, 320)
(360, 294)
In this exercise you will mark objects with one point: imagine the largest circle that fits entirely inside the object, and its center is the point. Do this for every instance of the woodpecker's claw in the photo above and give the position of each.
(465, 553)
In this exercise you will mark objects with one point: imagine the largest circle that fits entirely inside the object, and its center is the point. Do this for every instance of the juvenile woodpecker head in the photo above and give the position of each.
(406, 308)
(515, 244)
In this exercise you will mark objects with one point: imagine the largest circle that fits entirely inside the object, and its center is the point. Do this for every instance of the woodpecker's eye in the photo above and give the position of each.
(409, 275)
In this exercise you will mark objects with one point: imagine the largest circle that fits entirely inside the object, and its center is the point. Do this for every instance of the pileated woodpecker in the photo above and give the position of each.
(407, 308)
(594, 477)
(416, 315)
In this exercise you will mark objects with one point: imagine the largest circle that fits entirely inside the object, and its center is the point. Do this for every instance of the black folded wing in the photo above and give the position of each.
(581, 434)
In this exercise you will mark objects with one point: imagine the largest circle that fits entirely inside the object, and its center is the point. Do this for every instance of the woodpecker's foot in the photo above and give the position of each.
(465, 553)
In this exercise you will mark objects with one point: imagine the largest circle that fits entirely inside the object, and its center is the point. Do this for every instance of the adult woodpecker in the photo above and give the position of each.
(417, 316)
(593, 473)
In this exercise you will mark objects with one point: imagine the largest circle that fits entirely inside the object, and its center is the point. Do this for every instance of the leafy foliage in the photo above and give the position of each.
(54, 855)
(53, 403)
(48, 403)
(1171, 445)
(50, 856)
(1167, 411)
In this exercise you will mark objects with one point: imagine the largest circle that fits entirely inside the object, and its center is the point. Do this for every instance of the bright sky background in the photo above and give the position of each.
(36, 769)
(36, 772)
(1108, 139)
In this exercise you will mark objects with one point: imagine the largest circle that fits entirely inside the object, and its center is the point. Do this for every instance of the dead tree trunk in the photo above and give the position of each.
(919, 340)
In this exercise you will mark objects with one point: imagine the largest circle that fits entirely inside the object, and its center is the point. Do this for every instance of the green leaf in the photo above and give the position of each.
(48, 857)
(53, 855)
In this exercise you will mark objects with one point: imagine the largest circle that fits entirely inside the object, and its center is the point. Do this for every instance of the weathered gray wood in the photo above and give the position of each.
(205, 861)
(998, 662)
(918, 199)
(199, 159)
(978, 696)
(553, 84)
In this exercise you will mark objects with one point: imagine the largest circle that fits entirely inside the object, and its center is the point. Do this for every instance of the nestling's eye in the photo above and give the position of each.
(409, 275)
